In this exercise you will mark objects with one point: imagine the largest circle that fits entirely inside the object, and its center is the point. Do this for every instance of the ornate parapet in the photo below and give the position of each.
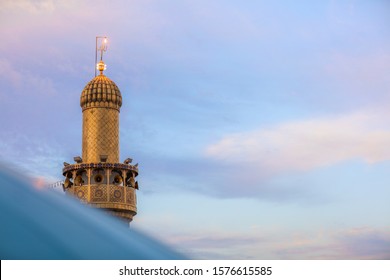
(122, 166)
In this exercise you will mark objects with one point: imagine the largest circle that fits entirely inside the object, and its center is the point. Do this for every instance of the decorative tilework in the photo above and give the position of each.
(99, 193)
(130, 196)
(116, 194)
(81, 192)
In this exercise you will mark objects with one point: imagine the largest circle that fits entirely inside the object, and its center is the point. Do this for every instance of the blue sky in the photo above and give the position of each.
(261, 128)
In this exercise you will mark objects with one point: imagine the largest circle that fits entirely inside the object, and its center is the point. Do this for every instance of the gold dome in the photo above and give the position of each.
(101, 92)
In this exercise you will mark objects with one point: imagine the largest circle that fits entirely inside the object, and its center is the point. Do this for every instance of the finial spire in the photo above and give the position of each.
(102, 42)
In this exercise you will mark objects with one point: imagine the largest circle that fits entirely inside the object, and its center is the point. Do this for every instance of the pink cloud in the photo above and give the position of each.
(35, 7)
(307, 144)
(348, 243)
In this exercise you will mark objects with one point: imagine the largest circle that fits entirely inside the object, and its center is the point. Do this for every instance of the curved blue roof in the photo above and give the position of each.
(43, 224)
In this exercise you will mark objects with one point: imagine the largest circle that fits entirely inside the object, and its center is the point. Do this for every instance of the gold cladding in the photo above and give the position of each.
(100, 134)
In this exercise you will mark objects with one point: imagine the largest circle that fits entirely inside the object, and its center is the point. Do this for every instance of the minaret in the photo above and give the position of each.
(97, 178)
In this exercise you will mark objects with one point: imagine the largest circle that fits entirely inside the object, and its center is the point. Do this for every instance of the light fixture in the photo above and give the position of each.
(78, 159)
(101, 46)
(128, 160)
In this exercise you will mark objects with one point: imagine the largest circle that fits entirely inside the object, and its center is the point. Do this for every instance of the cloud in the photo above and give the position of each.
(34, 157)
(8, 74)
(330, 244)
(350, 243)
(221, 246)
(373, 244)
(22, 81)
(307, 144)
(35, 7)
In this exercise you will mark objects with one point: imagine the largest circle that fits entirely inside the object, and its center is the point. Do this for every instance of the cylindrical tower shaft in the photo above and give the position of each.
(100, 134)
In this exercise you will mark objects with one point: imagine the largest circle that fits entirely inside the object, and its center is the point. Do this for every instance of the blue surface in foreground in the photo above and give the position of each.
(42, 224)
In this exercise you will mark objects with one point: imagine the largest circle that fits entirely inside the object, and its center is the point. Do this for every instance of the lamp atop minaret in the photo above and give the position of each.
(101, 45)
(98, 177)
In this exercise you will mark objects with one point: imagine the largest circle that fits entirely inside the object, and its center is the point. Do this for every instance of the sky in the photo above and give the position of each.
(261, 128)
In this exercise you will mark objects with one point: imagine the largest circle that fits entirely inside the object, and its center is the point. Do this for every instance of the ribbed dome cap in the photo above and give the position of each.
(101, 92)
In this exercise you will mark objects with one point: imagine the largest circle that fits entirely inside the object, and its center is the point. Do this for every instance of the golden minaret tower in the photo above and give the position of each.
(98, 178)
